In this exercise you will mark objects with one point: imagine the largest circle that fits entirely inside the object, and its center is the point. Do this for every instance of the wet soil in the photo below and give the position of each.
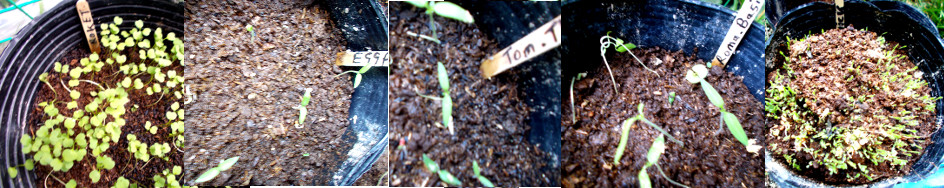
(827, 69)
(246, 87)
(490, 116)
(152, 108)
(710, 157)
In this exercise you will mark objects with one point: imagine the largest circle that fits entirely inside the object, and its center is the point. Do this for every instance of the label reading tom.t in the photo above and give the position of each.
(535, 43)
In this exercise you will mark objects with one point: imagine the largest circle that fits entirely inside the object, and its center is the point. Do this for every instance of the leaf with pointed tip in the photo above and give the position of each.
(430, 164)
(208, 175)
(449, 178)
(735, 127)
(656, 150)
(712, 94)
(225, 165)
(451, 10)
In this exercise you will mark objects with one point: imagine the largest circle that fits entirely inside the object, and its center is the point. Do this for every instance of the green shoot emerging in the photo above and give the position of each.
(652, 159)
(303, 109)
(358, 75)
(478, 175)
(444, 175)
(606, 42)
(697, 75)
(252, 32)
(573, 109)
(624, 136)
(443, 77)
(444, 9)
(212, 172)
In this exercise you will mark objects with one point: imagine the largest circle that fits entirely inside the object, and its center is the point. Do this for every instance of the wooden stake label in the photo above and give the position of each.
(360, 59)
(535, 43)
(88, 25)
(742, 22)
(840, 16)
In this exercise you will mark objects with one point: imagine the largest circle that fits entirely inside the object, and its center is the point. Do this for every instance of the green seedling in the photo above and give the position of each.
(358, 75)
(620, 46)
(697, 76)
(213, 172)
(444, 175)
(573, 108)
(652, 159)
(446, 100)
(251, 32)
(303, 108)
(624, 136)
(444, 9)
(478, 175)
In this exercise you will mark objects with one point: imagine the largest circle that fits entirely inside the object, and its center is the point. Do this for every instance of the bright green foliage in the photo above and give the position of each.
(478, 175)
(444, 175)
(212, 172)
(697, 75)
(624, 136)
(303, 108)
(358, 75)
(444, 9)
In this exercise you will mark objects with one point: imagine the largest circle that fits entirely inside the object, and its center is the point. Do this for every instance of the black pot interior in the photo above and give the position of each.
(900, 23)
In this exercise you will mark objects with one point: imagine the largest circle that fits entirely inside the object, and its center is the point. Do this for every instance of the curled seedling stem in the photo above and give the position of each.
(607, 41)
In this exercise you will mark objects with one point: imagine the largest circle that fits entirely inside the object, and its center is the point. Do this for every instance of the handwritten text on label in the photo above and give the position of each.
(359, 59)
(735, 34)
(535, 43)
(88, 25)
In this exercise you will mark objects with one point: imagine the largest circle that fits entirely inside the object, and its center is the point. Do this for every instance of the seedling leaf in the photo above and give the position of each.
(449, 178)
(208, 175)
(656, 150)
(712, 94)
(430, 164)
(644, 178)
(735, 127)
(225, 165)
(451, 10)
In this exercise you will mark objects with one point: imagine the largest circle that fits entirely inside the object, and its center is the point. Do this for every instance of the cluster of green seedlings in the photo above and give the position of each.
(444, 9)
(696, 75)
(64, 140)
(443, 77)
(657, 148)
(357, 74)
(835, 147)
(213, 172)
(447, 177)
(303, 109)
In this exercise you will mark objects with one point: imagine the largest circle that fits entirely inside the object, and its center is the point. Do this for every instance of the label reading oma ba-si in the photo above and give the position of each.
(359, 59)
(535, 43)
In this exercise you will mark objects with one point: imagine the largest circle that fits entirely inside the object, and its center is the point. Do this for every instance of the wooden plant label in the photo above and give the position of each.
(535, 43)
(742, 22)
(840, 16)
(88, 25)
(360, 59)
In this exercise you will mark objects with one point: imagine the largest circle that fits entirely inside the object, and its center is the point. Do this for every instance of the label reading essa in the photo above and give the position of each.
(359, 59)
(742, 22)
(88, 25)
(537, 42)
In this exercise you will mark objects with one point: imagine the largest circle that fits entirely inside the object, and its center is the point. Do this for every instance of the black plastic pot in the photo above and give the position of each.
(46, 40)
(543, 71)
(364, 26)
(900, 23)
(692, 26)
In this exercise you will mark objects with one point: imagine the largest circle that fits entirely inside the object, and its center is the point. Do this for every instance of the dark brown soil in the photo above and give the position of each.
(126, 165)
(828, 69)
(710, 157)
(490, 115)
(246, 89)
(377, 173)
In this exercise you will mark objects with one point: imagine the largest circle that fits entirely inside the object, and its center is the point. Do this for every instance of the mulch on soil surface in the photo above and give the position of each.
(828, 69)
(246, 90)
(126, 165)
(710, 157)
(489, 115)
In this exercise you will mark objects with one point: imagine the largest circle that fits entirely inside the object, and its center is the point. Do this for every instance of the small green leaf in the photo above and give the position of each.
(28, 164)
(697, 73)
(177, 170)
(657, 148)
(447, 112)
(712, 94)
(449, 178)
(420, 4)
(451, 10)
(475, 168)
(122, 182)
(485, 182)
(118, 20)
(624, 138)
(225, 165)
(208, 175)
(71, 184)
(357, 80)
(430, 164)
(735, 127)
(94, 176)
(171, 115)
(644, 178)
(443, 77)
(11, 171)
(621, 48)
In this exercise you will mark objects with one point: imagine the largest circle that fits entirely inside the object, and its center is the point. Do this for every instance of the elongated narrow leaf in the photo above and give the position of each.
(735, 127)
(447, 111)
(623, 48)
(364, 68)
(712, 94)
(430, 164)
(357, 80)
(421, 4)
(208, 175)
(225, 165)
(624, 138)
(475, 168)
(644, 178)
(451, 10)
(656, 150)
(485, 182)
(443, 77)
(449, 178)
